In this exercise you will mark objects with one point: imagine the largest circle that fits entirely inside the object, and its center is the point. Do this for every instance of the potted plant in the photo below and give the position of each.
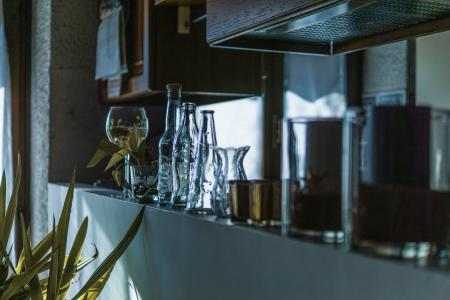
(135, 155)
(46, 271)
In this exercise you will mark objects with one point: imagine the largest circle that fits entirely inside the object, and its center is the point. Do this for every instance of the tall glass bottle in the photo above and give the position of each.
(199, 199)
(183, 155)
(166, 144)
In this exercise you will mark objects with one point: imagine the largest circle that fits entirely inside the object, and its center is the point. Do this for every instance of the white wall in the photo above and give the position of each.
(66, 117)
(433, 70)
(386, 68)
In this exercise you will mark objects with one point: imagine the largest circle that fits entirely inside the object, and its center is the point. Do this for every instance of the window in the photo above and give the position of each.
(240, 123)
(314, 87)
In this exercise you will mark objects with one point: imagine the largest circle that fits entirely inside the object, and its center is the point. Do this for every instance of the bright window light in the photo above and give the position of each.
(240, 123)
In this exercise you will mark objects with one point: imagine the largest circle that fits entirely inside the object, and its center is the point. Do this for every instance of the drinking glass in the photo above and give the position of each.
(239, 199)
(264, 203)
(396, 183)
(143, 182)
(119, 125)
(313, 191)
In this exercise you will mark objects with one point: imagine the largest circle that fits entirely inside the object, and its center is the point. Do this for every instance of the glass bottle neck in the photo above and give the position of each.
(172, 114)
(207, 120)
(174, 95)
(208, 129)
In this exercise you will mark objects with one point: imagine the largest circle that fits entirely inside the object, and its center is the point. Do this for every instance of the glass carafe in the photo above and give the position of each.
(183, 155)
(230, 166)
(199, 199)
(396, 183)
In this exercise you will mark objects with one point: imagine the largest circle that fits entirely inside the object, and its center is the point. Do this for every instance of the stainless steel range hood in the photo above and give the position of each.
(324, 27)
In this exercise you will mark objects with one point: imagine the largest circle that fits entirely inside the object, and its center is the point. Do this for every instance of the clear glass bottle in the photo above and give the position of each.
(199, 199)
(166, 144)
(183, 155)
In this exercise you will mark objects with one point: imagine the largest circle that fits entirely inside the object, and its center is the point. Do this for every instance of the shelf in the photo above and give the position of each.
(176, 255)
(158, 97)
(180, 2)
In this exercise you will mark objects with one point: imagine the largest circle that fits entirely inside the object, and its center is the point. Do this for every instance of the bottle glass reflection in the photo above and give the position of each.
(199, 199)
(183, 155)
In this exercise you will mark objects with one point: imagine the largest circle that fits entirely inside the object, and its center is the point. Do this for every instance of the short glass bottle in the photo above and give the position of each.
(166, 144)
(199, 199)
(183, 155)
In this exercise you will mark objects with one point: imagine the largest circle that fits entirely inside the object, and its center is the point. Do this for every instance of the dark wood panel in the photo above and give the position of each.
(273, 93)
(189, 59)
(207, 74)
(354, 80)
(138, 34)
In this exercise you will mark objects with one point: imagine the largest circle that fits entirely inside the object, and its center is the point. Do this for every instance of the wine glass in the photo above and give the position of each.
(119, 125)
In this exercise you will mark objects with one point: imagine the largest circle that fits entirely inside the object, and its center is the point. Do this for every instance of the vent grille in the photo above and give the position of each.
(382, 16)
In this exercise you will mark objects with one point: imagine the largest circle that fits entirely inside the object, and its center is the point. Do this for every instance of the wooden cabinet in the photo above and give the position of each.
(158, 54)
(324, 27)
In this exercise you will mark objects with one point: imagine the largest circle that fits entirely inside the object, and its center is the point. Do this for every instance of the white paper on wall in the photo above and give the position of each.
(111, 56)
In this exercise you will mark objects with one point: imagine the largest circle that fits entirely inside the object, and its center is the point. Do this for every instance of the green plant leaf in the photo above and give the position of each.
(35, 287)
(6, 255)
(2, 198)
(108, 264)
(99, 155)
(4, 272)
(95, 290)
(53, 273)
(118, 156)
(39, 251)
(108, 147)
(85, 261)
(60, 241)
(117, 175)
(104, 149)
(18, 282)
(72, 261)
(12, 206)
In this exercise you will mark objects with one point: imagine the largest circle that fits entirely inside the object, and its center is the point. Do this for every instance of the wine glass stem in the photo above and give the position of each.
(127, 190)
